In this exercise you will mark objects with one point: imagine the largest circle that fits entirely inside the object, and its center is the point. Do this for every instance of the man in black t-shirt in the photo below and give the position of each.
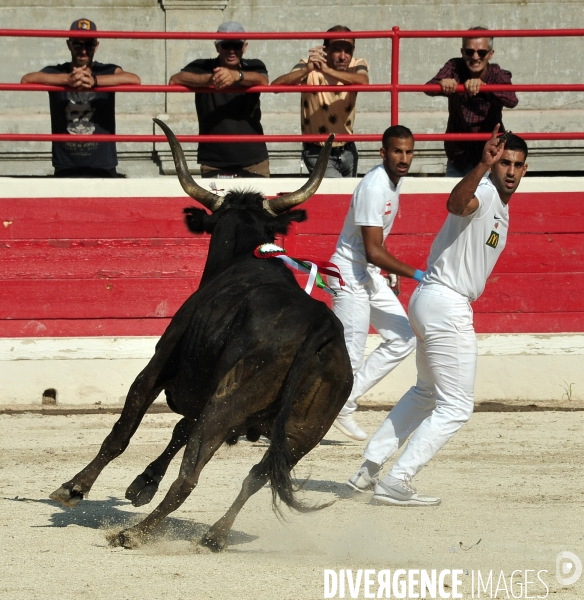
(228, 113)
(83, 109)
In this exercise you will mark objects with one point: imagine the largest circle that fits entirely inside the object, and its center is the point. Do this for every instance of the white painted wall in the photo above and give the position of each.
(100, 370)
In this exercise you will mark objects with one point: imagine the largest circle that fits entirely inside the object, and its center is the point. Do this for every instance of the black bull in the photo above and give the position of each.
(249, 353)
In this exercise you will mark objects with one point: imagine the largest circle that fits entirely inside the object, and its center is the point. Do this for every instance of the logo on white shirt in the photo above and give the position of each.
(493, 239)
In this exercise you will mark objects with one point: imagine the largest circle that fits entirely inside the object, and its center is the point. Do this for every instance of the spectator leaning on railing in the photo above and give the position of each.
(473, 111)
(329, 112)
(232, 113)
(83, 110)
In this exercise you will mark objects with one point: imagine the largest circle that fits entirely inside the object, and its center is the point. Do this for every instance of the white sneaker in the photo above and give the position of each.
(399, 492)
(363, 479)
(347, 425)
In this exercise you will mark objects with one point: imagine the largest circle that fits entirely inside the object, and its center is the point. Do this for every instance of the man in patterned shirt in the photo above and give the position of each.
(329, 112)
(473, 111)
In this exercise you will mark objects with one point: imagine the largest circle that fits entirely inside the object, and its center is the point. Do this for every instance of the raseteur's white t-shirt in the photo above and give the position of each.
(375, 203)
(466, 249)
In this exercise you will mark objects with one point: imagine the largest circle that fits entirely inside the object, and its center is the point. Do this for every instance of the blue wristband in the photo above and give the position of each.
(418, 275)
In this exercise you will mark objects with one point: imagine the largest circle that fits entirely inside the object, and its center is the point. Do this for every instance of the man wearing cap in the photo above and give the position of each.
(83, 110)
(329, 112)
(228, 113)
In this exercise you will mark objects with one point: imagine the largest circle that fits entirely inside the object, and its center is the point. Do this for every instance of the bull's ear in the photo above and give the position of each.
(297, 215)
(198, 221)
(281, 223)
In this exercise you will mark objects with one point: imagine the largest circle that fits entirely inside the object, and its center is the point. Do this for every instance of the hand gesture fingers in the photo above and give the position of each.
(317, 55)
(493, 149)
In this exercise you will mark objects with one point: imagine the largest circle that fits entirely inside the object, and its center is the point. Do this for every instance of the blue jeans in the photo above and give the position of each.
(342, 161)
(457, 171)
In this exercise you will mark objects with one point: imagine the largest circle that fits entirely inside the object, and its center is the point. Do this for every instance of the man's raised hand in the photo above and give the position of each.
(493, 149)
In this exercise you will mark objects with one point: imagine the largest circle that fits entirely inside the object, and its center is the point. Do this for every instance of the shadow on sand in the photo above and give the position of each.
(109, 515)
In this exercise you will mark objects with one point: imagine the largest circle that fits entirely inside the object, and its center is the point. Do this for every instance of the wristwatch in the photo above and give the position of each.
(240, 77)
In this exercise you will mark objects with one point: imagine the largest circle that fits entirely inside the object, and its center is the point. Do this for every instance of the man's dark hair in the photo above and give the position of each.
(479, 28)
(514, 142)
(342, 28)
(395, 131)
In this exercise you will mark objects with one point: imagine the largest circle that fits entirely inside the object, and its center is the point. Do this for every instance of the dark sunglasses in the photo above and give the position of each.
(232, 45)
(469, 53)
(80, 44)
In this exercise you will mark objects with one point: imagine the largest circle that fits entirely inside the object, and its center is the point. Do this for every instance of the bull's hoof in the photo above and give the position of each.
(142, 490)
(215, 544)
(68, 495)
(127, 539)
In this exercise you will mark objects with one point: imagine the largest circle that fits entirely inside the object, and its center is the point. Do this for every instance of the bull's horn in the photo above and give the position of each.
(288, 201)
(193, 189)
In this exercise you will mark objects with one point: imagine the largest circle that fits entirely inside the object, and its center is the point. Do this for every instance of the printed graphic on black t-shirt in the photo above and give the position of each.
(83, 113)
(229, 114)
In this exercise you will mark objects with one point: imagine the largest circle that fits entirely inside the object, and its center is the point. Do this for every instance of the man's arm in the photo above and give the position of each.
(501, 77)
(48, 78)
(317, 62)
(446, 79)
(192, 79)
(224, 77)
(361, 77)
(119, 77)
(507, 99)
(462, 200)
(220, 78)
(82, 77)
(298, 74)
(377, 254)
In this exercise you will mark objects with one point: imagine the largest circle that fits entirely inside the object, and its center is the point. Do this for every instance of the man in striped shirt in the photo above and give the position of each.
(473, 111)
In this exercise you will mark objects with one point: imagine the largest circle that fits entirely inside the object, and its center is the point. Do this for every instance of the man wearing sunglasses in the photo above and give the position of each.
(329, 112)
(83, 110)
(228, 113)
(473, 111)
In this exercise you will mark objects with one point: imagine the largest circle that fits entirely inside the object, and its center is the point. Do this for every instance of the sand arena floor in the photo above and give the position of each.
(513, 480)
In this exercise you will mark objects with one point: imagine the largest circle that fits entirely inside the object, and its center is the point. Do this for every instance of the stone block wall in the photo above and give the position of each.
(545, 60)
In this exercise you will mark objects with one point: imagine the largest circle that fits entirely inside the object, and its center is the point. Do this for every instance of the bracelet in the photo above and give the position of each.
(94, 80)
(418, 275)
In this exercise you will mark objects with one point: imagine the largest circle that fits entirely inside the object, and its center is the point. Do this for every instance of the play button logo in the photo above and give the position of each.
(568, 568)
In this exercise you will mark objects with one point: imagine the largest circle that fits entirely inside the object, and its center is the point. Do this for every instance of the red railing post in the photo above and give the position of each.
(395, 76)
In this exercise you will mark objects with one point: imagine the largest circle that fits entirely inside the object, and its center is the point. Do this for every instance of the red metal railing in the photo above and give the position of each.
(394, 87)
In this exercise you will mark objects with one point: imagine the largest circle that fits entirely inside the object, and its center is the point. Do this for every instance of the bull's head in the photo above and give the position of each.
(213, 201)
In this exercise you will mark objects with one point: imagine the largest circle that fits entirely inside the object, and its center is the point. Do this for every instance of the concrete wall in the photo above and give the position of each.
(86, 371)
(548, 60)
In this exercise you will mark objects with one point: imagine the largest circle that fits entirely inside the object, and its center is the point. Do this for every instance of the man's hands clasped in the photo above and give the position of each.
(317, 60)
(81, 78)
(224, 77)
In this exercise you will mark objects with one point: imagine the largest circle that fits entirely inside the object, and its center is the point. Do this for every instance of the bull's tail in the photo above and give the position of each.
(279, 459)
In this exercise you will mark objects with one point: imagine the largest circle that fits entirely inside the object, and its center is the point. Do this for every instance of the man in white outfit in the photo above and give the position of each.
(366, 297)
(461, 259)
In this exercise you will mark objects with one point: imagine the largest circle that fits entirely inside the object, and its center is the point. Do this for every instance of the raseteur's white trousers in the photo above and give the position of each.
(442, 400)
(357, 306)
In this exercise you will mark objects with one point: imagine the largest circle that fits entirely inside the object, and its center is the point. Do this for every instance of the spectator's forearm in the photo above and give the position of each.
(192, 79)
(119, 78)
(507, 99)
(250, 79)
(349, 78)
(293, 78)
(46, 78)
